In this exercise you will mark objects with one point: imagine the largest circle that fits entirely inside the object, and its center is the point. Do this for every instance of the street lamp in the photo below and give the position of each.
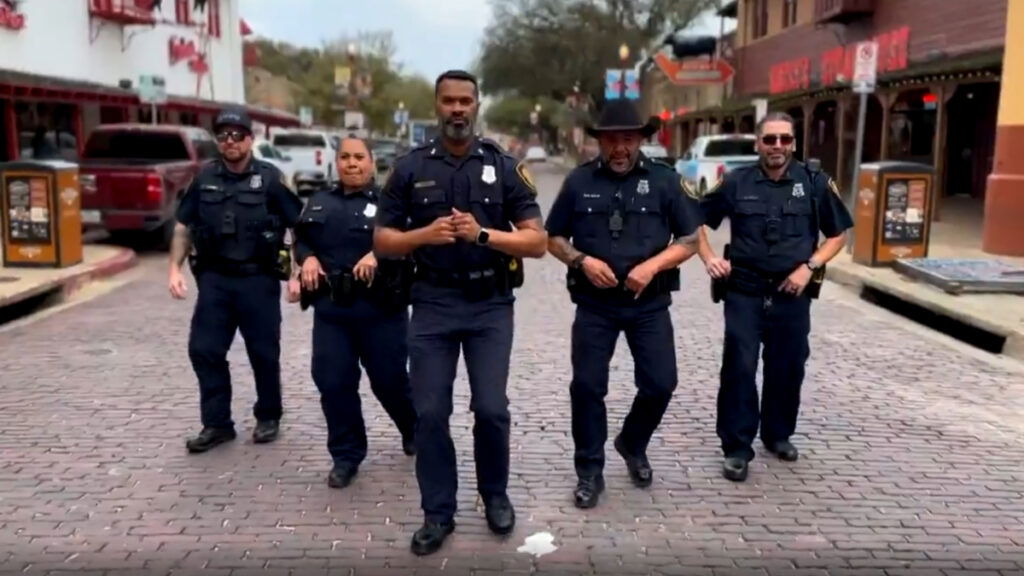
(623, 56)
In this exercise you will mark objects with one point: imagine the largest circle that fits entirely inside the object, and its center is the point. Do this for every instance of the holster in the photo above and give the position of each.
(720, 286)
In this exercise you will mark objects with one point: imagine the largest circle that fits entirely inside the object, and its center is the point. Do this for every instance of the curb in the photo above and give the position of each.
(124, 259)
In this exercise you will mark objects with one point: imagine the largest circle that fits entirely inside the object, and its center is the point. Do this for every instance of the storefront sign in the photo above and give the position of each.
(178, 49)
(10, 18)
(790, 76)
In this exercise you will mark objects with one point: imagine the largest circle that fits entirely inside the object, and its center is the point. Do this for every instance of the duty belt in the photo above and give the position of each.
(449, 279)
(662, 283)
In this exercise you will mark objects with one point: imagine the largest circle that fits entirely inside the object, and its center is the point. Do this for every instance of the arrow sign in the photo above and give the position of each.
(694, 71)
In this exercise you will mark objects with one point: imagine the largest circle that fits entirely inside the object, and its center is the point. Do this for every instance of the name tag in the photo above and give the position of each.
(424, 184)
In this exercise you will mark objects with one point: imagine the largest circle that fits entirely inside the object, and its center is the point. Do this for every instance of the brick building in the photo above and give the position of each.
(938, 83)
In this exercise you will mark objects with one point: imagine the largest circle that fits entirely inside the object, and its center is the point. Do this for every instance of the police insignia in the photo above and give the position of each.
(524, 174)
(833, 187)
(688, 189)
(256, 182)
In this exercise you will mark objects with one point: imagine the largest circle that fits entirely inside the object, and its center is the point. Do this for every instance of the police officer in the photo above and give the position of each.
(234, 214)
(623, 225)
(468, 214)
(360, 311)
(773, 270)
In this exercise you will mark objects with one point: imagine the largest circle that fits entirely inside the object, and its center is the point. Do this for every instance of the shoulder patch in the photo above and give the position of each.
(524, 175)
(834, 187)
(688, 188)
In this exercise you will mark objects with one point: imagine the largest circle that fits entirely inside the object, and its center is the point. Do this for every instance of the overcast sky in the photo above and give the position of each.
(429, 39)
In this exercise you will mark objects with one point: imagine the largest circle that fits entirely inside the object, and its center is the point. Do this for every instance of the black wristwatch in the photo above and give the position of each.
(577, 262)
(483, 237)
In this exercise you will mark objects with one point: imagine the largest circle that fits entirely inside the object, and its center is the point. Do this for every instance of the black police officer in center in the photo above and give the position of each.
(360, 311)
(631, 226)
(776, 210)
(235, 214)
(467, 213)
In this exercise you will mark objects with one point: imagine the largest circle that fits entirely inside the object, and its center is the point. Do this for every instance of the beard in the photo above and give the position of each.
(452, 130)
(771, 160)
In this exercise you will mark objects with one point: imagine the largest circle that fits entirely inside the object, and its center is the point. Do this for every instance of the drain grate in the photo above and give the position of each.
(8, 279)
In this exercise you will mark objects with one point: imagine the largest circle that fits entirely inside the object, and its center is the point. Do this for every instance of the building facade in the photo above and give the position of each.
(67, 66)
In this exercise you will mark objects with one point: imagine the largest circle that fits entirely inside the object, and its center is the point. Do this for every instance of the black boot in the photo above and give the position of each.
(639, 468)
(341, 476)
(429, 538)
(209, 438)
(784, 450)
(735, 468)
(501, 516)
(265, 431)
(588, 490)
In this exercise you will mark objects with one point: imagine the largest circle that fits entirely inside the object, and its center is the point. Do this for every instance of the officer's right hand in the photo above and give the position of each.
(718, 267)
(176, 284)
(440, 231)
(311, 273)
(599, 273)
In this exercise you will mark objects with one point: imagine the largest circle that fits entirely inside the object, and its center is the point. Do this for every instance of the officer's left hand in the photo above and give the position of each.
(466, 226)
(639, 277)
(294, 290)
(365, 268)
(797, 281)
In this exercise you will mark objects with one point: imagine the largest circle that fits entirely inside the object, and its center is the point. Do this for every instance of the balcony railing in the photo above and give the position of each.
(842, 11)
(123, 11)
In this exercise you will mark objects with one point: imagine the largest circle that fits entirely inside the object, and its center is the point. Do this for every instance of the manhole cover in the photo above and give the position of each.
(8, 279)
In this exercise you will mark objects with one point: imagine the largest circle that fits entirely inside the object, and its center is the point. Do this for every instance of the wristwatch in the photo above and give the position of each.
(813, 265)
(483, 237)
(577, 262)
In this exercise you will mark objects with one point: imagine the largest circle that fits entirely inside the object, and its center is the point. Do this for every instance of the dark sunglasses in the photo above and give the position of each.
(773, 139)
(234, 135)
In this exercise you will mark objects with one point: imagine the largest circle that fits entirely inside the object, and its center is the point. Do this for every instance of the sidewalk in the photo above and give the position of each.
(19, 284)
(958, 235)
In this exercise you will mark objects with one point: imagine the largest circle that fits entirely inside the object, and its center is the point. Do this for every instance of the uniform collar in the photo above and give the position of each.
(248, 170)
(437, 149)
(368, 191)
(787, 176)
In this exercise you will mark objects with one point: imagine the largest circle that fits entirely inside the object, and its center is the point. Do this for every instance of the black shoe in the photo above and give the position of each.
(501, 516)
(784, 450)
(735, 468)
(265, 431)
(409, 445)
(209, 438)
(429, 538)
(588, 489)
(341, 476)
(639, 468)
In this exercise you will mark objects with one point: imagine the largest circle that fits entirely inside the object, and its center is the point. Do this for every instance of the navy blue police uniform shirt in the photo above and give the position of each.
(650, 198)
(216, 184)
(337, 228)
(428, 182)
(775, 224)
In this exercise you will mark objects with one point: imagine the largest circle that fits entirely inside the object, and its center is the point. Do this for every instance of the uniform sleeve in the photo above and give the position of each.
(559, 221)
(833, 216)
(684, 213)
(303, 249)
(393, 205)
(716, 204)
(520, 193)
(288, 203)
(188, 207)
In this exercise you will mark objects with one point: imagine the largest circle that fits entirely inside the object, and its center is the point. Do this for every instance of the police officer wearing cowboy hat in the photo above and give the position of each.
(622, 224)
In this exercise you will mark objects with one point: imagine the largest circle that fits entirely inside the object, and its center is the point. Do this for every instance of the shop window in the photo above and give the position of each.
(46, 131)
(788, 13)
(213, 22)
(912, 128)
(182, 12)
(759, 18)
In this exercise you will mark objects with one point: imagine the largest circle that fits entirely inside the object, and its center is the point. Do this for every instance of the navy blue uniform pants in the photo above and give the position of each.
(437, 331)
(651, 341)
(782, 323)
(344, 337)
(226, 304)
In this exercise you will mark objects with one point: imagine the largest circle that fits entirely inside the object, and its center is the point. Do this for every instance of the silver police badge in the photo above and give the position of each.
(798, 190)
(643, 187)
(489, 177)
(256, 182)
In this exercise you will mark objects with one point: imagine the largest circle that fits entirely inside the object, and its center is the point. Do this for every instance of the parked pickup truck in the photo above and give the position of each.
(132, 176)
(711, 157)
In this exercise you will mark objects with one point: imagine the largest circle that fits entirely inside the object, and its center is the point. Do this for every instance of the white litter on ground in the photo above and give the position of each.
(538, 544)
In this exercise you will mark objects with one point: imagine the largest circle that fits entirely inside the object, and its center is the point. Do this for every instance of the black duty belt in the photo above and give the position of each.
(662, 283)
(450, 279)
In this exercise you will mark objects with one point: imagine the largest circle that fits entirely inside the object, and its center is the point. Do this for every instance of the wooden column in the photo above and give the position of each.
(886, 99)
(808, 108)
(11, 121)
(945, 93)
(842, 105)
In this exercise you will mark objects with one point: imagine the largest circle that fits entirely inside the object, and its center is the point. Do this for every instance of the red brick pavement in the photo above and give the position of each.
(911, 458)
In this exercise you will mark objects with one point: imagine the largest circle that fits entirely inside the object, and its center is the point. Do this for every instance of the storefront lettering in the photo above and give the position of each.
(10, 18)
(837, 64)
(182, 50)
(790, 75)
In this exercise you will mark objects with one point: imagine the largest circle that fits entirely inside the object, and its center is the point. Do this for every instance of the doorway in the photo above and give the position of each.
(971, 138)
(5, 130)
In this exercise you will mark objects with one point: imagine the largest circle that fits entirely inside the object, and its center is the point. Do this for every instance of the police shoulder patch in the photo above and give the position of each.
(524, 175)
(688, 188)
(834, 187)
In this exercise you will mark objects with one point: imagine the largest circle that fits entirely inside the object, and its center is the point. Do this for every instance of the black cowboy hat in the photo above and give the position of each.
(622, 116)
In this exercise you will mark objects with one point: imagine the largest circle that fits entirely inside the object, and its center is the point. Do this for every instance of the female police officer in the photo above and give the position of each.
(360, 311)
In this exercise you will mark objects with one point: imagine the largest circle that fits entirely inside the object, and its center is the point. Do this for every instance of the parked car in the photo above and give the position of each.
(312, 153)
(132, 176)
(657, 152)
(267, 152)
(385, 152)
(710, 158)
(536, 154)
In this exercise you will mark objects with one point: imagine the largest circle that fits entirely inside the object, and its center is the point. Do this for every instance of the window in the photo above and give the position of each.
(788, 13)
(205, 149)
(46, 131)
(730, 147)
(213, 23)
(182, 12)
(136, 145)
(759, 18)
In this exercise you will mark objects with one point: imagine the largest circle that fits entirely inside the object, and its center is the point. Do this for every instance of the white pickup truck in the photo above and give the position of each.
(711, 157)
(312, 154)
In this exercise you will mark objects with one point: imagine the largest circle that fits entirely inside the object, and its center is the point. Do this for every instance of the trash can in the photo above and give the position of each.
(892, 217)
(40, 202)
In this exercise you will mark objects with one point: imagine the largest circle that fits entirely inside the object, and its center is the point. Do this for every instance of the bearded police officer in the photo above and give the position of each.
(235, 214)
(467, 212)
(630, 225)
(773, 270)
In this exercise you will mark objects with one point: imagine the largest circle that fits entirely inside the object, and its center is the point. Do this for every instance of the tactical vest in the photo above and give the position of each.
(236, 223)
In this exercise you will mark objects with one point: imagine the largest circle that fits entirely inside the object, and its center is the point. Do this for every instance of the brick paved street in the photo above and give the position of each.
(912, 450)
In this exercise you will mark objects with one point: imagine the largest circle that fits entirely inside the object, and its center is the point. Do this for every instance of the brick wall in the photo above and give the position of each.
(951, 26)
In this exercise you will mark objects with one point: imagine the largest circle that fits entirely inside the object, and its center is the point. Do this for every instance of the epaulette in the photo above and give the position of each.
(493, 145)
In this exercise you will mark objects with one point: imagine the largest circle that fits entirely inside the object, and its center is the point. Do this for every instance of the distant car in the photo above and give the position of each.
(657, 152)
(535, 154)
(312, 154)
(384, 154)
(710, 158)
(267, 152)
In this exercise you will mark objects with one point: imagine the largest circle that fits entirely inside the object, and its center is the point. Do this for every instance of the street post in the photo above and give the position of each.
(864, 77)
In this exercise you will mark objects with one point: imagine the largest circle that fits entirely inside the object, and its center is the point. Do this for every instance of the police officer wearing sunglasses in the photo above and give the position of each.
(773, 268)
(234, 215)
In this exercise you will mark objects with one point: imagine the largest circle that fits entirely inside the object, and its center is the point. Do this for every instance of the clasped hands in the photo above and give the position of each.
(602, 276)
(448, 229)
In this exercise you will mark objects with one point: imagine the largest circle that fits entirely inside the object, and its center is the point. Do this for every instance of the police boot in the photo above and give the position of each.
(784, 450)
(265, 431)
(588, 490)
(735, 468)
(501, 516)
(341, 476)
(209, 438)
(429, 538)
(639, 468)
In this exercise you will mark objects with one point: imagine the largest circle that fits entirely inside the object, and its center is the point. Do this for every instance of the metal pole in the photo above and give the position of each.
(858, 149)
(622, 83)
(153, 108)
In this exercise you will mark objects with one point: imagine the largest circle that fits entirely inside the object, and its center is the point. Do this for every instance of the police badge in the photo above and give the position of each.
(256, 182)
(489, 177)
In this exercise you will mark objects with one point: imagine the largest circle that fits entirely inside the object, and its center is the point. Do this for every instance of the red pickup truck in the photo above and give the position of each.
(132, 176)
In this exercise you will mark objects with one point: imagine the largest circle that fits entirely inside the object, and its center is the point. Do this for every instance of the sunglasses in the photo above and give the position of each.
(233, 135)
(773, 139)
